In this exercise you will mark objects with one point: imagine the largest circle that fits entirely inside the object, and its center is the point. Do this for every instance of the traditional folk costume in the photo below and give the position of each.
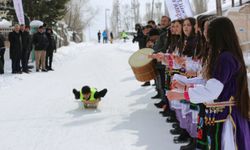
(221, 126)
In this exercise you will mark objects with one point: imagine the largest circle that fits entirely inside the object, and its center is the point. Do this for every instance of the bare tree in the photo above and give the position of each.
(166, 9)
(158, 14)
(135, 6)
(116, 21)
(148, 12)
(79, 15)
(126, 18)
(200, 6)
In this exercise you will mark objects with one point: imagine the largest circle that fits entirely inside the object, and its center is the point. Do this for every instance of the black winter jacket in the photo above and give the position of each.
(40, 41)
(15, 45)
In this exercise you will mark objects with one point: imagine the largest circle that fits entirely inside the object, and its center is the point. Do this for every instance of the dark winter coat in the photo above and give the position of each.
(40, 41)
(52, 43)
(2, 46)
(163, 30)
(26, 38)
(15, 45)
(163, 42)
(141, 39)
(111, 35)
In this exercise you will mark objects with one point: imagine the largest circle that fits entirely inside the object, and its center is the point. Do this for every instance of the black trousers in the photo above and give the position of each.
(49, 60)
(161, 84)
(24, 60)
(28, 56)
(1, 63)
(16, 65)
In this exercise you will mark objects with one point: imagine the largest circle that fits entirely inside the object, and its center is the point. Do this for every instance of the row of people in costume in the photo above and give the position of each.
(206, 82)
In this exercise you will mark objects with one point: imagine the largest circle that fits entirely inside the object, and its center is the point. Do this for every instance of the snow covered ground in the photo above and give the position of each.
(38, 111)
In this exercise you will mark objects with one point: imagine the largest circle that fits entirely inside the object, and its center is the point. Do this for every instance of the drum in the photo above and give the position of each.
(142, 66)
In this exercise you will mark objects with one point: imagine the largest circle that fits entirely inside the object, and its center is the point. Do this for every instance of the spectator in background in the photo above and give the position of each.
(111, 37)
(105, 36)
(15, 39)
(41, 43)
(152, 23)
(2, 51)
(124, 36)
(25, 48)
(139, 36)
(74, 36)
(50, 49)
(29, 49)
(99, 36)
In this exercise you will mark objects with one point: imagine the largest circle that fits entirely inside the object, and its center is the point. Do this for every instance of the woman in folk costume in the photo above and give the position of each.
(227, 119)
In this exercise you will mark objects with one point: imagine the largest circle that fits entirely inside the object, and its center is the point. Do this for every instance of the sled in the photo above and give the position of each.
(89, 104)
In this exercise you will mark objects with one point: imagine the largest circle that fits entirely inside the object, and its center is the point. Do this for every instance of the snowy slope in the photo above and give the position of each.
(38, 111)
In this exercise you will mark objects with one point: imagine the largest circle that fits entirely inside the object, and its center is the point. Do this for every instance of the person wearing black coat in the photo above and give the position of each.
(111, 37)
(41, 43)
(29, 48)
(2, 51)
(140, 37)
(25, 51)
(15, 39)
(50, 49)
(99, 36)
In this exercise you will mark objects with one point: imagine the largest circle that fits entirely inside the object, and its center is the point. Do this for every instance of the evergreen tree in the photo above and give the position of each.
(48, 11)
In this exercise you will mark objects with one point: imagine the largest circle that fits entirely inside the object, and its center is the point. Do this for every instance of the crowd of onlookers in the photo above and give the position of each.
(201, 81)
(108, 36)
(23, 45)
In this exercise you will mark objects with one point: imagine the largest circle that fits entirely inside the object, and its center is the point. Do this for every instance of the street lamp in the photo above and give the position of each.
(106, 24)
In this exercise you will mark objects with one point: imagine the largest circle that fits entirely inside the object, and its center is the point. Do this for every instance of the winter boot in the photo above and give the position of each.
(183, 138)
(176, 131)
(146, 84)
(157, 96)
(159, 105)
(175, 125)
(190, 146)
(171, 119)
